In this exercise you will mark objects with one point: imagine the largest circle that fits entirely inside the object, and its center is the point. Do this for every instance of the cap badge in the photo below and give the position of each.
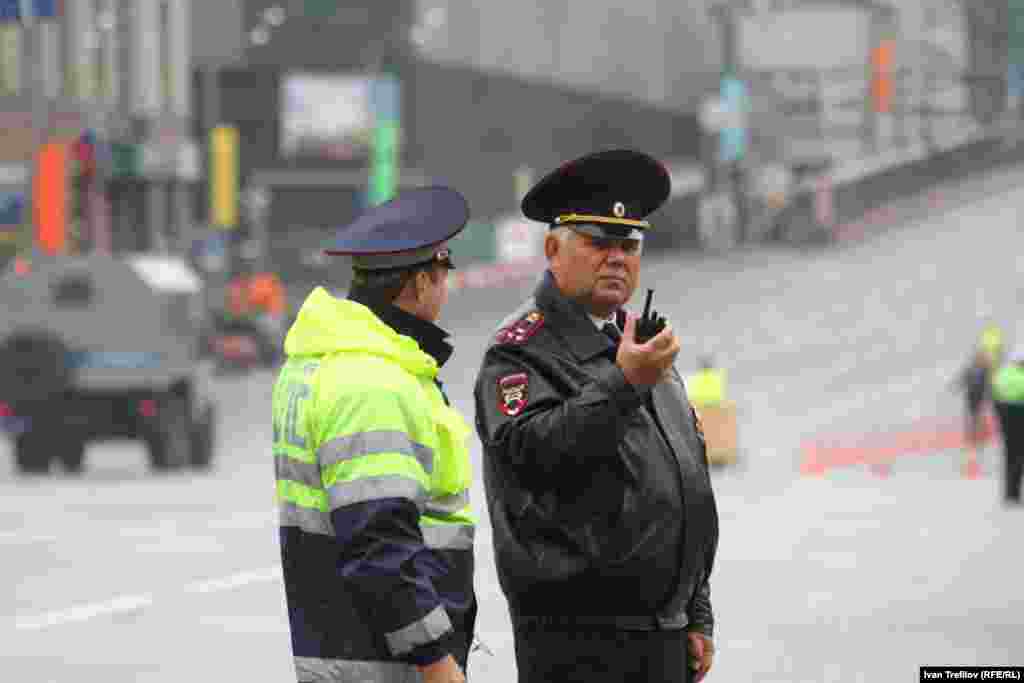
(619, 209)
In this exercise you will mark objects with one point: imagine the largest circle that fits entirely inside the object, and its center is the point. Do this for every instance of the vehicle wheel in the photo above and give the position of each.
(34, 368)
(32, 453)
(203, 433)
(169, 441)
(72, 455)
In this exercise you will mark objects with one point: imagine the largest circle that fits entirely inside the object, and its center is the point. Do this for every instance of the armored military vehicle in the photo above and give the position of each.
(95, 347)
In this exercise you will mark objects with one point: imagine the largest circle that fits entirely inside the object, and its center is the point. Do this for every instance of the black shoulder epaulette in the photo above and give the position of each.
(521, 330)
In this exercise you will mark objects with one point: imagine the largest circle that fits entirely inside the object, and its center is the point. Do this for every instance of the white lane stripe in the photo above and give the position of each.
(255, 522)
(234, 581)
(131, 603)
(124, 603)
(20, 538)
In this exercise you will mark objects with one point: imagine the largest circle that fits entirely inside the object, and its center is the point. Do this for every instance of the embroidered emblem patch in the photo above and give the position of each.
(521, 330)
(512, 393)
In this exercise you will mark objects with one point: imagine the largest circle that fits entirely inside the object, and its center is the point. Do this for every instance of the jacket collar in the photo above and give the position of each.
(570, 321)
(429, 336)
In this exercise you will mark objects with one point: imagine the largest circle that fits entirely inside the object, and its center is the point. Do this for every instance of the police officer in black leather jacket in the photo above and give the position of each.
(605, 526)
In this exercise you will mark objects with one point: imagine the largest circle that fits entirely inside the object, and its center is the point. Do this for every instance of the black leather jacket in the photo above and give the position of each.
(598, 493)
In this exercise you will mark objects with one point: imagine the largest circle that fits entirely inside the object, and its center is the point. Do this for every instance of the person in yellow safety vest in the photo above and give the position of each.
(1008, 396)
(706, 387)
(992, 343)
(372, 465)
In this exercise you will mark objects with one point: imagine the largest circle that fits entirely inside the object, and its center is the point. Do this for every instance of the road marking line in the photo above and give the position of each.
(834, 559)
(132, 603)
(18, 538)
(234, 581)
(124, 603)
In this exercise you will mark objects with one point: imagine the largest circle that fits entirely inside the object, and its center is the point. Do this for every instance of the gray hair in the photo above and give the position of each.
(563, 233)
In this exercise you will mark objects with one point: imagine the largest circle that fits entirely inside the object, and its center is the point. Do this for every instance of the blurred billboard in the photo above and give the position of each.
(326, 116)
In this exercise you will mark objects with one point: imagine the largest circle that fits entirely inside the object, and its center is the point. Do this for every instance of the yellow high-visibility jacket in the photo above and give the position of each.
(373, 480)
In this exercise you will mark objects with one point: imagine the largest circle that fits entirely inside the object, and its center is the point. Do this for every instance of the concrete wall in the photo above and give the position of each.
(822, 37)
(651, 50)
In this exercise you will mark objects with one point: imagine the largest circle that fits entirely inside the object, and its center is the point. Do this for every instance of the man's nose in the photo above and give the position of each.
(616, 253)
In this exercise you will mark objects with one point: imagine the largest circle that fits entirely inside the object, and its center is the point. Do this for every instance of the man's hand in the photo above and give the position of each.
(444, 670)
(646, 364)
(702, 650)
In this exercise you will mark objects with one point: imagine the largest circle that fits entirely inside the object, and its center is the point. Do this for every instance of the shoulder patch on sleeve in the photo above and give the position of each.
(521, 330)
(512, 392)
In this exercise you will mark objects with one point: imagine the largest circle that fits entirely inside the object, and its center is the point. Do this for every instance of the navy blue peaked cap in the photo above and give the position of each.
(410, 229)
(609, 192)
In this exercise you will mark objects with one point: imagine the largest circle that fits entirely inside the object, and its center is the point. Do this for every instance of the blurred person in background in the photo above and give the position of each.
(1008, 396)
(706, 387)
(974, 381)
(372, 465)
(605, 526)
(256, 297)
(991, 343)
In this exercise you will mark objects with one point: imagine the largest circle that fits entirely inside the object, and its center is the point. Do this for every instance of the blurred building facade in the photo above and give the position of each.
(102, 87)
(300, 81)
(848, 78)
(492, 93)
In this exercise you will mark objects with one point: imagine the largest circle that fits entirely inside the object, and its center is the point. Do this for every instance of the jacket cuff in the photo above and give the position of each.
(423, 641)
(624, 395)
(428, 653)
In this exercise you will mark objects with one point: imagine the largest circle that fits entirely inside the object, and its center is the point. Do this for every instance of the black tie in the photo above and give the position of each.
(613, 333)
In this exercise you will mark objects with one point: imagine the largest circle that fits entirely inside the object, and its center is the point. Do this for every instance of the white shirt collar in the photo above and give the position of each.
(599, 322)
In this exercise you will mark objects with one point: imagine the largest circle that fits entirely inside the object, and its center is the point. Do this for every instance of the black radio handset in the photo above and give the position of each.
(650, 323)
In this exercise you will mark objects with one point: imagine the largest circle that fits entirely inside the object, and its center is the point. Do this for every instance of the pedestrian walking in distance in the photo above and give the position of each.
(1008, 395)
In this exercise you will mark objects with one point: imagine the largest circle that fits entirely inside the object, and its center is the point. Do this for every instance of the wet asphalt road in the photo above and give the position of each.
(123, 576)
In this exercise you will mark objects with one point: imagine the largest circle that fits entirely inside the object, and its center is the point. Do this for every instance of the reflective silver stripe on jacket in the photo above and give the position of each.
(296, 470)
(447, 505)
(448, 536)
(306, 519)
(316, 670)
(426, 630)
(372, 488)
(368, 443)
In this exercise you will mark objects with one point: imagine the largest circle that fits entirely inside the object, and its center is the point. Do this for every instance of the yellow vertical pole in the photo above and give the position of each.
(224, 177)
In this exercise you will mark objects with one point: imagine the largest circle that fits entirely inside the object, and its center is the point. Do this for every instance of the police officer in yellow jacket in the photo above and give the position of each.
(371, 462)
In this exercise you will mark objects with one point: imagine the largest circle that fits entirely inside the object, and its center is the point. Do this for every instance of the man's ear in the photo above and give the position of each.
(551, 245)
(421, 283)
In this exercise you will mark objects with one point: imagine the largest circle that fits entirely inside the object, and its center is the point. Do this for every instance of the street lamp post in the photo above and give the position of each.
(728, 155)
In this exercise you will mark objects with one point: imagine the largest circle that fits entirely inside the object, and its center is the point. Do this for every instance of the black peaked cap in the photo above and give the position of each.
(616, 185)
